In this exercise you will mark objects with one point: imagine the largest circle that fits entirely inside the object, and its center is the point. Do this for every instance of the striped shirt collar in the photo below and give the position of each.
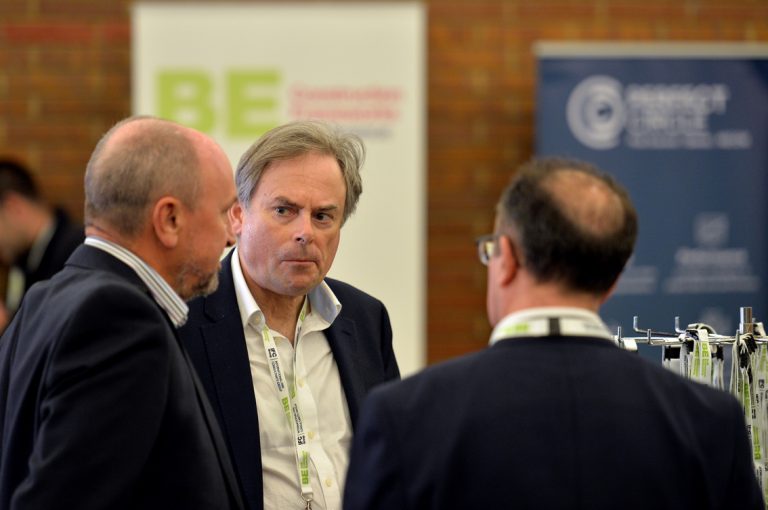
(161, 292)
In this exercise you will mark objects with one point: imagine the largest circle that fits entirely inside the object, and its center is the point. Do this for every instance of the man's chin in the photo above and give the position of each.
(203, 287)
(303, 287)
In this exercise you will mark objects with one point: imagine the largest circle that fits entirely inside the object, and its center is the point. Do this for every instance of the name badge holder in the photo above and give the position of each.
(287, 396)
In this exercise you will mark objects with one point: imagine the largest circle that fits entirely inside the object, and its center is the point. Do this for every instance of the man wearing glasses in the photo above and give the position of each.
(553, 415)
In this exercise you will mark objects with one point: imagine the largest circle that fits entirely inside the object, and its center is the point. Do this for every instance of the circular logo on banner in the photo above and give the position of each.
(595, 112)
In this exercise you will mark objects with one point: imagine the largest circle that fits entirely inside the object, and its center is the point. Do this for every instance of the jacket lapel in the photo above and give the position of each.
(233, 387)
(214, 430)
(341, 337)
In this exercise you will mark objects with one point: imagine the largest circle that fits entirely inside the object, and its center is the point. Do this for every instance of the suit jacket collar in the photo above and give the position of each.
(88, 257)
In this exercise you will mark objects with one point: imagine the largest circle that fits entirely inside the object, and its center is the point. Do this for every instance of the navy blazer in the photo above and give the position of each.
(360, 339)
(551, 423)
(99, 404)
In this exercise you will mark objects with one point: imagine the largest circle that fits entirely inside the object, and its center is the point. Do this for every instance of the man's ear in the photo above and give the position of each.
(509, 264)
(236, 213)
(167, 220)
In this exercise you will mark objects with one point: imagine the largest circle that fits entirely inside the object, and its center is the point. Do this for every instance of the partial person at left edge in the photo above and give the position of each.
(100, 407)
(35, 238)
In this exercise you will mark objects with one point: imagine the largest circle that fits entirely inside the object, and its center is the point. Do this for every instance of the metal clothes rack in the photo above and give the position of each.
(748, 327)
(751, 393)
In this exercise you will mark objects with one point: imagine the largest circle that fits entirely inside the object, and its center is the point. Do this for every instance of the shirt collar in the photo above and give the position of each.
(550, 321)
(322, 300)
(161, 292)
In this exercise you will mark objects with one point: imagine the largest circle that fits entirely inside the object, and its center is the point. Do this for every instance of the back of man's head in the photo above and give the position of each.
(137, 161)
(16, 178)
(575, 225)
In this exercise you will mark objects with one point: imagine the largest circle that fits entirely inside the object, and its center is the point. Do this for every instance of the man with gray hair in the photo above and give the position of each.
(99, 405)
(285, 353)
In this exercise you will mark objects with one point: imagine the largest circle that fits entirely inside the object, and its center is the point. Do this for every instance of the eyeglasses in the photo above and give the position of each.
(486, 247)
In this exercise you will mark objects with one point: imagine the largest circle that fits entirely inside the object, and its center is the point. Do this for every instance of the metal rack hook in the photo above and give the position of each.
(650, 332)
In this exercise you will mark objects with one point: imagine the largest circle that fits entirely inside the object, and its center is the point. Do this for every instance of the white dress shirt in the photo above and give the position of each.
(320, 397)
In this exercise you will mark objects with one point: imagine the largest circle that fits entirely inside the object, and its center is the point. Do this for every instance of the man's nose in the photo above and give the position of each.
(305, 232)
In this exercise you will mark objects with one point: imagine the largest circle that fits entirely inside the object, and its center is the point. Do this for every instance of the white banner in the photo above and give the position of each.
(237, 70)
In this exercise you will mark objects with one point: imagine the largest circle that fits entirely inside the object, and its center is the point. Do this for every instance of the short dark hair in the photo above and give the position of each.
(16, 177)
(582, 244)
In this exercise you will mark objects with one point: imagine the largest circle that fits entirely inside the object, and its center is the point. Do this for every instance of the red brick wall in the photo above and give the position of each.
(65, 78)
(481, 119)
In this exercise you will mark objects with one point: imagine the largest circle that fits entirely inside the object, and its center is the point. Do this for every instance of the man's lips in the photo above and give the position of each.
(300, 261)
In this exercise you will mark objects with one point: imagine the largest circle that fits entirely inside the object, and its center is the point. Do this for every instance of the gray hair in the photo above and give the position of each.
(137, 161)
(296, 139)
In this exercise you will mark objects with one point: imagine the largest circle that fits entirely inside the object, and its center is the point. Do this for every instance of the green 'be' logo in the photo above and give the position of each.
(248, 108)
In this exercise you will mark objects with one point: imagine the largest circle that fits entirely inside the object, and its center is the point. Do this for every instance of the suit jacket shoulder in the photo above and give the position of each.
(91, 364)
(577, 413)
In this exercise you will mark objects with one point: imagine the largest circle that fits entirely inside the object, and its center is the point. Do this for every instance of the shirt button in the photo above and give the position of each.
(301, 383)
(311, 434)
(328, 482)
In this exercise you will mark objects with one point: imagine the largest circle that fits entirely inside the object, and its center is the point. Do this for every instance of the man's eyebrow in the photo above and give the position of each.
(280, 200)
(285, 202)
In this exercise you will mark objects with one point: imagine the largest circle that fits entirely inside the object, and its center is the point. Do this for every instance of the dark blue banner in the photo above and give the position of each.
(688, 137)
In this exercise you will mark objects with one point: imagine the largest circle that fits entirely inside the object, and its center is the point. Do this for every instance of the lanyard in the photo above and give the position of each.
(287, 396)
(552, 326)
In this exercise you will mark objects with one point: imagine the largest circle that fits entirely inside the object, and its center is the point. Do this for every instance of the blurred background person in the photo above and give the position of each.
(35, 238)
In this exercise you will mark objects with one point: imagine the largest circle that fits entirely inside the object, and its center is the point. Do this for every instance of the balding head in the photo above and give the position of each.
(573, 224)
(137, 161)
(588, 201)
(144, 191)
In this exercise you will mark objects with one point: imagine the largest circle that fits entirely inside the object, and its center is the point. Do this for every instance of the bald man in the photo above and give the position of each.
(553, 415)
(99, 406)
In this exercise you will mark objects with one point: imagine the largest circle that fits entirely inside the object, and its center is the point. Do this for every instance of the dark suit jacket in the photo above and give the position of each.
(550, 423)
(360, 339)
(99, 405)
